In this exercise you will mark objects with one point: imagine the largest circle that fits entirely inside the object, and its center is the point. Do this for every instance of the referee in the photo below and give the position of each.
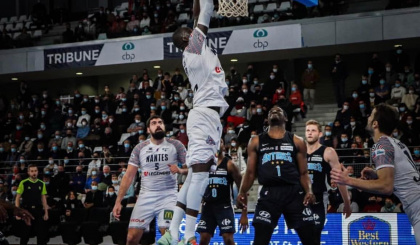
(33, 193)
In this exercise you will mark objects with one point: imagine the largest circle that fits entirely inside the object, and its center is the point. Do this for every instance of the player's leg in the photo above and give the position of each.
(266, 216)
(263, 233)
(225, 217)
(134, 235)
(143, 213)
(207, 224)
(204, 132)
(165, 210)
(318, 210)
(416, 229)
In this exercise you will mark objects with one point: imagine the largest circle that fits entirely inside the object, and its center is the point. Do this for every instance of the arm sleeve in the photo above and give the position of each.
(196, 42)
(383, 154)
(44, 189)
(20, 188)
(206, 11)
(181, 151)
(135, 156)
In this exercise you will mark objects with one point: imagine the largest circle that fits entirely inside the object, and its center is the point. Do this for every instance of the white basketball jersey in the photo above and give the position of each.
(153, 161)
(205, 73)
(390, 152)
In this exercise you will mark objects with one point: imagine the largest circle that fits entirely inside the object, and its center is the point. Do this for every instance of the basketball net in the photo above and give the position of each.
(233, 8)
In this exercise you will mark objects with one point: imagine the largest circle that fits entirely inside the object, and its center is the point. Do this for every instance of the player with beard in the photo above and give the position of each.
(321, 160)
(395, 171)
(156, 157)
(278, 159)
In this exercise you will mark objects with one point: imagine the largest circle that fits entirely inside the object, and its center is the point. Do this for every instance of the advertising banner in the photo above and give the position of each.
(358, 229)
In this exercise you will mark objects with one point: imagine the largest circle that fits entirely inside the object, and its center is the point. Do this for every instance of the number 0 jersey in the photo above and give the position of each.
(391, 153)
(153, 161)
(220, 185)
(205, 73)
(277, 160)
(318, 169)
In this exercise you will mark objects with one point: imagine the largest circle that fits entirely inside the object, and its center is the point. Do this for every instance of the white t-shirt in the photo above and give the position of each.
(153, 160)
(205, 73)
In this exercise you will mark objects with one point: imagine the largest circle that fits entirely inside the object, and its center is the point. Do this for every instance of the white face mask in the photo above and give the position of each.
(346, 107)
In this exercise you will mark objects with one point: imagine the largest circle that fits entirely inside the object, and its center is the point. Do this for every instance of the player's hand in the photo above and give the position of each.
(23, 214)
(309, 199)
(243, 223)
(368, 174)
(3, 214)
(347, 210)
(173, 168)
(242, 200)
(46, 216)
(117, 210)
(340, 175)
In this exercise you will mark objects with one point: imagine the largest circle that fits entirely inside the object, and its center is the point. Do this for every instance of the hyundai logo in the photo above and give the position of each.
(260, 33)
(128, 46)
(264, 214)
(202, 223)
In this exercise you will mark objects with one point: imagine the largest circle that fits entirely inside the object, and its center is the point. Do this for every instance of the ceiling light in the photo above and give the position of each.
(14, 79)
(234, 60)
(156, 67)
(397, 45)
(79, 73)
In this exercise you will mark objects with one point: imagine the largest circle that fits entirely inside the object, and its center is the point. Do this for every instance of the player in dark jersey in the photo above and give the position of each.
(321, 160)
(278, 159)
(216, 209)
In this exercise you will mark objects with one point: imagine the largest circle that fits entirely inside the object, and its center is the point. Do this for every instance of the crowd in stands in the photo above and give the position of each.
(81, 145)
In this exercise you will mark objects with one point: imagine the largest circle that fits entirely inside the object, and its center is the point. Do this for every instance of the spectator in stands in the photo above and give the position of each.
(401, 136)
(238, 112)
(389, 75)
(362, 113)
(310, 78)
(354, 129)
(296, 100)
(344, 115)
(26, 146)
(390, 206)
(410, 99)
(94, 165)
(70, 204)
(373, 77)
(373, 205)
(78, 180)
(6, 41)
(327, 138)
(94, 197)
(257, 120)
(145, 21)
(68, 34)
(339, 75)
(411, 128)
(276, 96)
(69, 138)
(69, 150)
(115, 183)
(110, 197)
(399, 59)
(106, 175)
(353, 205)
(132, 24)
(61, 180)
(83, 130)
(397, 92)
(354, 101)
(79, 32)
(169, 24)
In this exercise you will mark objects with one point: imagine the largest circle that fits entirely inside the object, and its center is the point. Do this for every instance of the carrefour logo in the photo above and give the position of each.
(259, 44)
(128, 46)
(127, 55)
(260, 33)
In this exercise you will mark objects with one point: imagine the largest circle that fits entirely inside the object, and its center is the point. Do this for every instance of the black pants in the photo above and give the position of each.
(38, 225)
(339, 91)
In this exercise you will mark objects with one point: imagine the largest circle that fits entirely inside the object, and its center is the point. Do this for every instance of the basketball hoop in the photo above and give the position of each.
(233, 8)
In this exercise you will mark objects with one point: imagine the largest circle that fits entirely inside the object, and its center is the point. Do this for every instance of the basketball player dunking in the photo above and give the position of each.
(204, 129)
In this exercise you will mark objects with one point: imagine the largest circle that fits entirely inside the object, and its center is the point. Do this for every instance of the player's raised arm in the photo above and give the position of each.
(202, 12)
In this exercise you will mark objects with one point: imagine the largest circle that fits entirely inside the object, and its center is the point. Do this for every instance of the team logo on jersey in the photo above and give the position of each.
(226, 222)
(202, 223)
(218, 69)
(168, 214)
(210, 141)
(307, 212)
(146, 173)
(286, 148)
(264, 214)
(378, 152)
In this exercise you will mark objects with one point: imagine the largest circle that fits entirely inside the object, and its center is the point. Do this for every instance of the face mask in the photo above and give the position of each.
(111, 193)
(244, 80)
(123, 172)
(272, 77)
(14, 193)
(69, 148)
(50, 161)
(293, 89)
(40, 150)
(256, 82)
(397, 85)
(97, 111)
(69, 125)
(233, 144)
(352, 123)
(93, 173)
(43, 113)
(382, 82)
(411, 92)
(47, 172)
(21, 117)
(395, 134)
(136, 109)
(372, 94)
(402, 109)
(355, 95)
(182, 131)
(57, 136)
(124, 110)
(126, 145)
(416, 152)
(84, 123)
(96, 101)
(115, 182)
(259, 110)
(163, 108)
(18, 127)
(1, 149)
(141, 131)
(104, 116)
(83, 112)
(388, 69)
(231, 131)
(409, 122)
(190, 94)
(40, 136)
(110, 120)
(344, 140)
(81, 145)
(148, 96)
(399, 51)
(346, 107)
(245, 91)
(182, 108)
(21, 160)
(364, 82)
(181, 117)
(334, 189)
(328, 133)
(370, 72)
(309, 66)
(85, 99)
(94, 187)
(66, 161)
(70, 111)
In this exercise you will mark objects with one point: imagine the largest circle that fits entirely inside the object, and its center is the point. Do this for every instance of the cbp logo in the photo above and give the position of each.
(128, 56)
(265, 214)
(259, 44)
